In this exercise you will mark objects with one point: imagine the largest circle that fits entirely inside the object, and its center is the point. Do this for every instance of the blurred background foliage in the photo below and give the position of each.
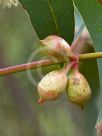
(20, 114)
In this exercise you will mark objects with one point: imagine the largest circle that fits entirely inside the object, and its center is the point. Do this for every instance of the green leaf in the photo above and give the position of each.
(91, 12)
(87, 117)
(90, 112)
(51, 17)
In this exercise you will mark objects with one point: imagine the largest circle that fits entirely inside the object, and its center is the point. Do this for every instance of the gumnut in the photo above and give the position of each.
(56, 46)
(52, 85)
(78, 89)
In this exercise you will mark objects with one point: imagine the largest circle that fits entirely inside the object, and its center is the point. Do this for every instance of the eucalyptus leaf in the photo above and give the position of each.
(91, 12)
(51, 17)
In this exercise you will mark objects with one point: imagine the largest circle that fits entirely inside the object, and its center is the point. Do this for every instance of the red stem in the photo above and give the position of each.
(23, 67)
(74, 44)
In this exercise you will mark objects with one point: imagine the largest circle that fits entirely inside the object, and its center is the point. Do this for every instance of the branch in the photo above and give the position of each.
(33, 65)
(90, 55)
(77, 35)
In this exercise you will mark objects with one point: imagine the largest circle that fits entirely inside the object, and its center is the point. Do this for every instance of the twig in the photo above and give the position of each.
(77, 35)
(33, 65)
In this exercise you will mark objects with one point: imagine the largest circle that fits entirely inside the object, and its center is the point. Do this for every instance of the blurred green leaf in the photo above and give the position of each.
(91, 111)
(51, 17)
(91, 12)
(23, 116)
(86, 118)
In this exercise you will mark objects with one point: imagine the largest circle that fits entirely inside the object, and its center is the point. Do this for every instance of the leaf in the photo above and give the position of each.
(86, 118)
(51, 17)
(91, 12)
(90, 112)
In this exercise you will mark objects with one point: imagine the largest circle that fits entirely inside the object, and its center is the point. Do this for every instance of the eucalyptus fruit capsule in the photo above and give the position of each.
(56, 46)
(78, 89)
(52, 85)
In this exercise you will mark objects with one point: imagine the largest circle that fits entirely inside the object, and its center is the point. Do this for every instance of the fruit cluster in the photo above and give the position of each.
(67, 78)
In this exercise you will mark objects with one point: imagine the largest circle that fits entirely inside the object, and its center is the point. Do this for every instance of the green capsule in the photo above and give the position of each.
(78, 89)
